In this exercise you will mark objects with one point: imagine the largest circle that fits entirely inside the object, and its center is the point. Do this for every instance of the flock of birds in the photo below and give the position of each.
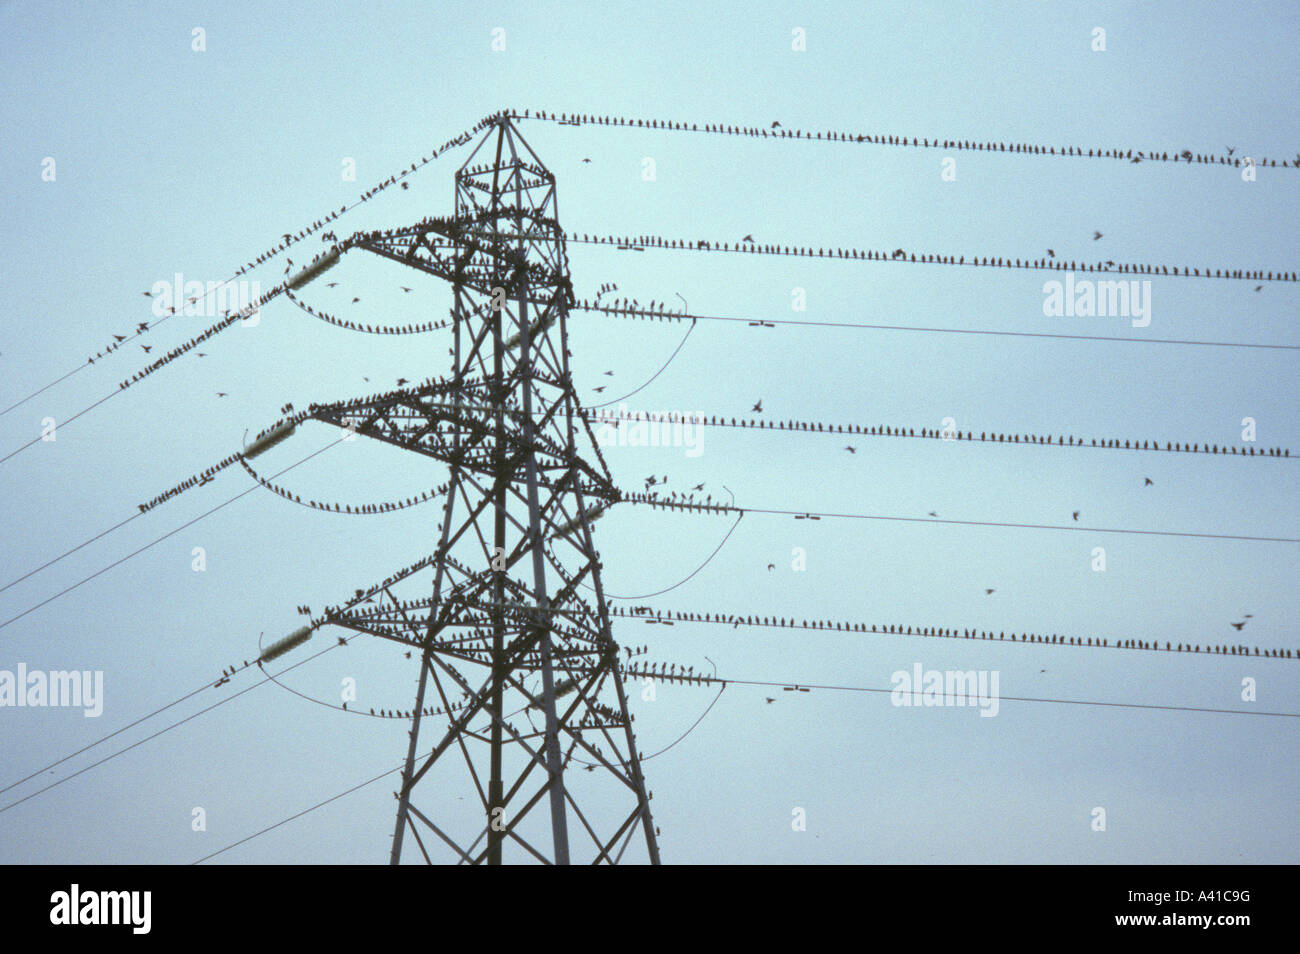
(776, 130)
(1048, 263)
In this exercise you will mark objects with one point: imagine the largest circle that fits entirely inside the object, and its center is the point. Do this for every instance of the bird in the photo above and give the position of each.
(769, 700)
(1042, 670)
(699, 487)
(758, 407)
(1076, 516)
(1238, 626)
(1096, 235)
(987, 592)
(120, 337)
(331, 284)
(408, 654)
(1147, 481)
(345, 705)
(147, 348)
(599, 389)
(1258, 287)
(222, 394)
(609, 374)
(403, 288)
(933, 514)
(202, 354)
(342, 641)
(1051, 254)
(775, 124)
(586, 160)
(748, 238)
(1230, 149)
(142, 327)
(147, 294)
(850, 449)
(355, 300)
(401, 381)
(771, 566)
(406, 185)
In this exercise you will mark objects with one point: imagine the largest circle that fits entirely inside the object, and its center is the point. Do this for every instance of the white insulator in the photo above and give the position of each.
(315, 268)
(279, 648)
(269, 439)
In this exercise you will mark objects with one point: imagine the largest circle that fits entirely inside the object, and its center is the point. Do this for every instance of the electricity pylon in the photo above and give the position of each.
(521, 663)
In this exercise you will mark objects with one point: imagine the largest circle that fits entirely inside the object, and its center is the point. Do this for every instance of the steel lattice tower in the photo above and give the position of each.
(522, 664)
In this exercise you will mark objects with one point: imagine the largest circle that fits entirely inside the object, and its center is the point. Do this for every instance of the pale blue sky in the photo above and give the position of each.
(172, 160)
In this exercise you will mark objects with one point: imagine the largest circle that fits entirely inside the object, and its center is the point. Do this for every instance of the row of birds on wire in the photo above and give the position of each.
(1108, 266)
(777, 131)
(289, 238)
(660, 418)
(649, 615)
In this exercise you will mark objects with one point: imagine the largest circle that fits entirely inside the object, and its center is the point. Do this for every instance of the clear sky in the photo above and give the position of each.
(173, 160)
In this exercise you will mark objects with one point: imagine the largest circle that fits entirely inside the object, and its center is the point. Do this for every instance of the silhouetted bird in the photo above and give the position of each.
(1051, 254)
(586, 160)
(770, 700)
(221, 394)
(758, 407)
(355, 300)
(1238, 626)
(403, 288)
(331, 284)
(987, 592)
(933, 514)
(1096, 235)
(342, 641)
(120, 337)
(771, 566)
(1147, 481)
(1076, 516)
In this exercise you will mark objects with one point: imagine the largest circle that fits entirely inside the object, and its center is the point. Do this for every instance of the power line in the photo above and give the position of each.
(657, 502)
(647, 314)
(737, 620)
(170, 533)
(1110, 268)
(289, 239)
(674, 419)
(777, 131)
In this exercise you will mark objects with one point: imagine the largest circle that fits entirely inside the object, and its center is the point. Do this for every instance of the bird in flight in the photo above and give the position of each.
(1147, 481)
(1238, 626)
(1258, 287)
(142, 327)
(331, 285)
(758, 407)
(1230, 149)
(850, 449)
(403, 288)
(1096, 235)
(698, 487)
(599, 389)
(586, 160)
(147, 348)
(221, 394)
(771, 566)
(342, 641)
(1076, 516)
(406, 185)
(987, 592)
(775, 124)
(748, 238)
(401, 381)
(355, 300)
(609, 374)
(1051, 254)
(770, 700)
(933, 514)
(120, 337)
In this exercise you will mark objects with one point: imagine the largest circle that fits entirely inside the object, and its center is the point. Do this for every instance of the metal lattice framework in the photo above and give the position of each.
(523, 667)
